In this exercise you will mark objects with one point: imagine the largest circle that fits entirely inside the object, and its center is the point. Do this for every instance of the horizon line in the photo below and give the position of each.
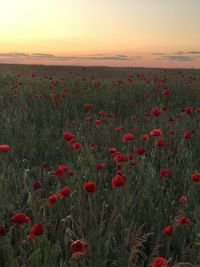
(101, 66)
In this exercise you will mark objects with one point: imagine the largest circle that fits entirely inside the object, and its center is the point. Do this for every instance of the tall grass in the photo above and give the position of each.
(123, 226)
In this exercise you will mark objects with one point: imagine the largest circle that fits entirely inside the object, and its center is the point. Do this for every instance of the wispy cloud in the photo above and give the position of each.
(6, 60)
(14, 54)
(115, 57)
(42, 56)
(121, 55)
(194, 52)
(179, 53)
(181, 56)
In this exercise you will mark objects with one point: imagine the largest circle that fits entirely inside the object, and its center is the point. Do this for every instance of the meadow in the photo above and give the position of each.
(99, 167)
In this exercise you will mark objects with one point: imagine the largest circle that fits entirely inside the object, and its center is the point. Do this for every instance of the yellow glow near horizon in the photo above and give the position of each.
(85, 27)
(27, 24)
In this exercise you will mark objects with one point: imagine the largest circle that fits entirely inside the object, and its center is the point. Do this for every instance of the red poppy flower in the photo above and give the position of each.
(182, 199)
(145, 137)
(188, 110)
(103, 113)
(20, 218)
(61, 171)
(118, 129)
(79, 246)
(93, 145)
(76, 146)
(112, 150)
(165, 172)
(161, 143)
(90, 187)
(128, 137)
(63, 168)
(4, 148)
(36, 185)
(168, 230)
(187, 134)
(98, 122)
(156, 111)
(166, 92)
(68, 136)
(88, 106)
(100, 166)
(156, 132)
(119, 157)
(146, 115)
(70, 142)
(120, 172)
(52, 200)
(64, 192)
(37, 229)
(2, 230)
(171, 133)
(118, 180)
(63, 94)
(196, 177)
(88, 118)
(183, 220)
(139, 151)
(159, 262)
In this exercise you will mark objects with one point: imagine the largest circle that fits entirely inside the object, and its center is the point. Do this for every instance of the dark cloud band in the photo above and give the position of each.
(40, 56)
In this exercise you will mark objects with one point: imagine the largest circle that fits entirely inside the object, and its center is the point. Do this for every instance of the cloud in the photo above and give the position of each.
(100, 54)
(181, 56)
(177, 58)
(14, 54)
(179, 53)
(49, 57)
(6, 61)
(122, 56)
(137, 57)
(163, 54)
(107, 58)
(115, 57)
(43, 56)
(193, 52)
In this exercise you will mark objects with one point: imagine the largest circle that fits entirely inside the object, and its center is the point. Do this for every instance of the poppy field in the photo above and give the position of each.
(99, 167)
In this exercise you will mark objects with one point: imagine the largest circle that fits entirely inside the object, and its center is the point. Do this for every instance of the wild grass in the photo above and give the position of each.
(123, 226)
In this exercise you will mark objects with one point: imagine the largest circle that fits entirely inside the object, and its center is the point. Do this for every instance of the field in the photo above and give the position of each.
(99, 167)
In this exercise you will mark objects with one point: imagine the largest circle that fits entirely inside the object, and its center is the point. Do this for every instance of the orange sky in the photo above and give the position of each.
(150, 33)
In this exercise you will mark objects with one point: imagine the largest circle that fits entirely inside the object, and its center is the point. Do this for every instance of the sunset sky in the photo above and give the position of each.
(149, 33)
